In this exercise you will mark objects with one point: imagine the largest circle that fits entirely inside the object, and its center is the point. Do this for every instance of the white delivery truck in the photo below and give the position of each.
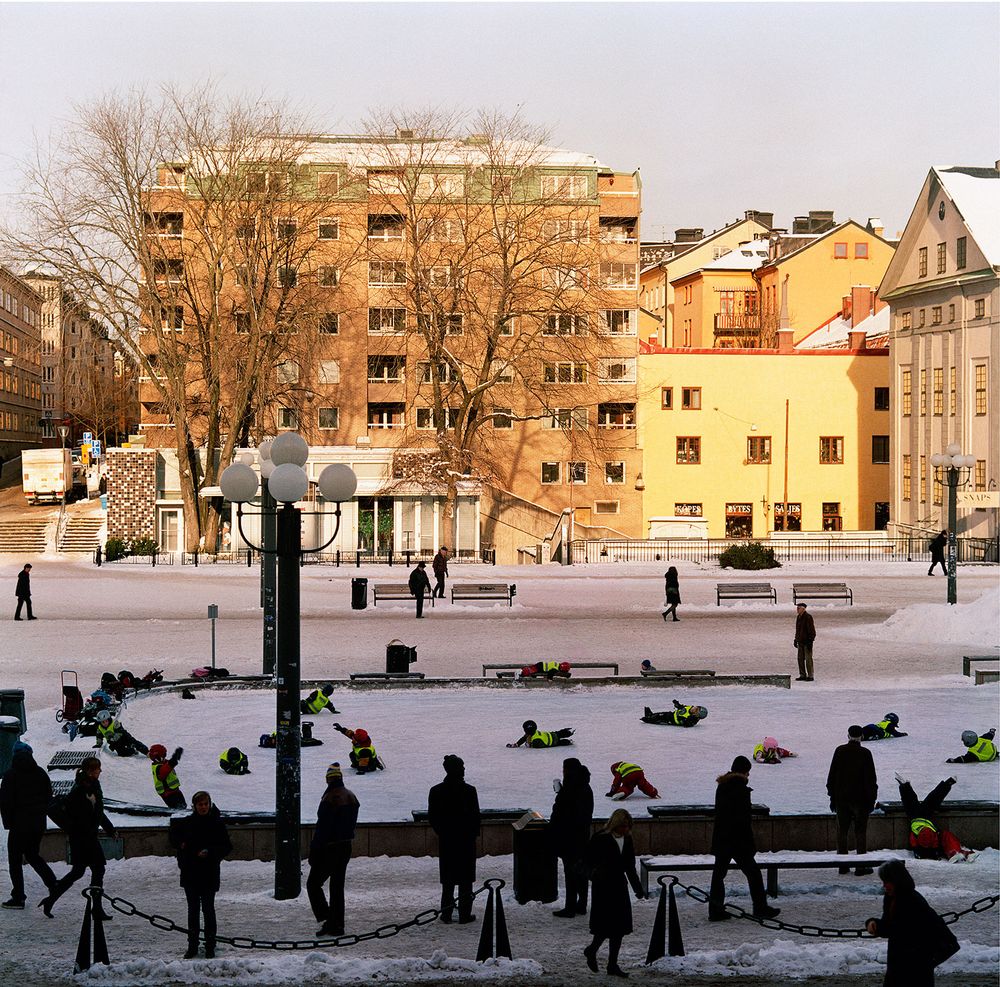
(46, 474)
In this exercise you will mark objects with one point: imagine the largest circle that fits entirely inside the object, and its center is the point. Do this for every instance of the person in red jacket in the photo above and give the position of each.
(627, 777)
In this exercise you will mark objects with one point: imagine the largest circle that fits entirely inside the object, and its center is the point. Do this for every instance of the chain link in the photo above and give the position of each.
(815, 931)
(125, 907)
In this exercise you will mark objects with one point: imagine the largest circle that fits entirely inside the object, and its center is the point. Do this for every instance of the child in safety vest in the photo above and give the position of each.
(533, 737)
(768, 752)
(981, 748)
(680, 716)
(627, 777)
(927, 840)
(363, 755)
(550, 669)
(234, 762)
(165, 778)
(886, 728)
(119, 740)
(318, 700)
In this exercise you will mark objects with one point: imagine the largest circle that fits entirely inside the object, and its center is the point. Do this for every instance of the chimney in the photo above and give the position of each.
(764, 218)
(800, 224)
(856, 339)
(862, 303)
(786, 340)
(875, 225)
(786, 334)
(690, 234)
(845, 307)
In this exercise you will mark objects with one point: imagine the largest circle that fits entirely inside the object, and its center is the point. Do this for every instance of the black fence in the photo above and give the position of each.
(248, 557)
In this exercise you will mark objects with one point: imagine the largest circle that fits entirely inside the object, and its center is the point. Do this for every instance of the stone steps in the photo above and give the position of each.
(81, 534)
(26, 536)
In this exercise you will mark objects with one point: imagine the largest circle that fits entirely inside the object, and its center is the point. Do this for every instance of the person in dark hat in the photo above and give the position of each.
(569, 826)
(732, 840)
(420, 585)
(440, 567)
(853, 789)
(453, 813)
(805, 634)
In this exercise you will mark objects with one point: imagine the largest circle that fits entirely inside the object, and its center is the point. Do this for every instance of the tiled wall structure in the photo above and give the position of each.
(132, 493)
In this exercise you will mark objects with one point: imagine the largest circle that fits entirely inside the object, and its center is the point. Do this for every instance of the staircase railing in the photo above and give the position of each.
(61, 526)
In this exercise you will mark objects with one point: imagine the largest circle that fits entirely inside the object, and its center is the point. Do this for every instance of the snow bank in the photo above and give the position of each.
(974, 623)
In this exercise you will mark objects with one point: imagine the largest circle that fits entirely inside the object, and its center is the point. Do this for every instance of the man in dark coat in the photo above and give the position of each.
(84, 814)
(440, 567)
(420, 586)
(453, 813)
(569, 827)
(732, 840)
(23, 592)
(805, 634)
(330, 852)
(25, 793)
(937, 546)
(853, 789)
(202, 843)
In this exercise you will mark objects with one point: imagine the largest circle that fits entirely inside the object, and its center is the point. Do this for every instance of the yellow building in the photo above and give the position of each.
(732, 436)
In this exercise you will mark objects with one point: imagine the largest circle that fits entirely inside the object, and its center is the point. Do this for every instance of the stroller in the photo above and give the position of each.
(72, 699)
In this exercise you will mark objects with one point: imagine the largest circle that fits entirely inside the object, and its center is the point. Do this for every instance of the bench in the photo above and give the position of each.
(769, 862)
(985, 675)
(670, 811)
(505, 670)
(484, 591)
(488, 815)
(967, 661)
(822, 591)
(745, 591)
(671, 673)
(385, 676)
(394, 591)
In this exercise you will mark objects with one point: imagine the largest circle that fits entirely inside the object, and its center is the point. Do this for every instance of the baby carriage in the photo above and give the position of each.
(72, 699)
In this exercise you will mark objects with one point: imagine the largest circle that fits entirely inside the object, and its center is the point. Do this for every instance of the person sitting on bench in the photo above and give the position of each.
(981, 748)
(928, 841)
(550, 669)
(768, 752)
(533, 737)
(627, 777)
(679, 716)
(363, 755)
(883, 730)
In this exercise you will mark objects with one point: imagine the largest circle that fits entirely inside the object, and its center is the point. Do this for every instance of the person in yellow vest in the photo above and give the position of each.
(928, 840)
(318, 700)
(363, 755)
(981, 748)
(234, 762)
(550, 669)
(768, 752)
(680, 716)
(119, 740)
(533, 737)
(165, 778)
(885, 729)
(627, 777)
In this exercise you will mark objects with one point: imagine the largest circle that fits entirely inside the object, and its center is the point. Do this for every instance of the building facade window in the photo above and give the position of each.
(831, 449)
(328, 277)
(980, 308)
(616, 370)
(942, 258)
(386, 414)
(551, 472)
(287, 418)
(937, 379)
(980, 477)
(905, 321)
(687, 510)
(329, 229)
(759, 449)
(739, 520)
(614, 473)
(922, 479)
(832, 521)
(952, 390)
(329, 371)
(787, 520)
(329, 324)
(615, 414)
(328, 183)
(907, 476)
(961, 253)
(618, 322)
(881, 398)
(980, 388)
(564, 186)
(383, 321)
(565, 419)
(936, 315)
(922, 262)
(618, 275)
(691, 398)
(951, 313)
(861, 251)
(880, 449)
(667, 398)
(502, 418)
(689, 449)
(576, 472)
(923, 393)
(567, 372)
(606, 506)
(386, 272)
(565, 324)
(840, 251)
(328, 418)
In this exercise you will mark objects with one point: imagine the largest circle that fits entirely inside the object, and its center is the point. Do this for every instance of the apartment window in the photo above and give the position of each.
(329, 371)
(952, 390)
(831, 449)
(951, 313)
(287, 418)
(503, 418)
(565, 324)
(691, 398)
(980, 388)
(386, 183)
(288, 372)
(615, 473)
(687, 332)
(980, 308)
(616, 275)
(168, 270)
(606, 506)
(165, 223)
(787, 517)
(386, 369)
(840, 251)
(907, 476)
(935, 492)
(980, 478)
(759, 449)
(880, 449)
(689, 449)
(503, 185)
(386, 320)
(566, 278)
(439, 230)
(243, 322)
(616, 370)
(386, 414)
(881, 398)
(937, 379)
(564, 373)
(551, 472)
(246, 229)
(328, 182)
(566, 419)
(960, 253)
(386, 227)
(667, 398)
(923, 393)
(922, 262)
(287, 277)
(506, 325)
(286, 227)
(328, 277)
(172, 318)
(427, 418)
(329, 324)
(905, 320)
(936, 315)
(564, 186)
(445, 373)
(576, 472)
(922, 479)
(832, 521)
(329, 229)
(569, 230)
(386, 272)
(907, 388)
(942, 258)
(614, 414)
(502, 371)
(687, 510)
(921, 318)
(442, 276)
(861, 251)
(448, 185)
(328, 418)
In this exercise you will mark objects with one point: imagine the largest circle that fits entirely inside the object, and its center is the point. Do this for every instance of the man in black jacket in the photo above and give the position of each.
(23, 592)
(853, 789)
(569, 826)
(453, 813)
(25, 793)
(420, 585)
(732, 840)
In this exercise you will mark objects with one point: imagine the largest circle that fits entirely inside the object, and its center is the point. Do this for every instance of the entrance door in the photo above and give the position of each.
(169, 530)
(375, 524)
(881, 515)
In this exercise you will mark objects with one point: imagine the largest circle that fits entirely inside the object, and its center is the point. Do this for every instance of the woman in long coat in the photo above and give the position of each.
(672, 592)
(453, 813)
(569, 826)
(611, 860)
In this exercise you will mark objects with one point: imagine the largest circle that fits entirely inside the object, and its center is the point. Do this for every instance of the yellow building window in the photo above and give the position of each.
(691, 398)
(758, 448)
(689, 449)
(907, 388)
(831, 449)
(832, 519)
(667, 398)
(952, 390)
(907, 476)
(923, 392)
(938, 379)
(980, 474)
(923, 479)
(980, 388)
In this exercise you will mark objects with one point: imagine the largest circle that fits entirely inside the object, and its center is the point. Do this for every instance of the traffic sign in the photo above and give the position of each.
(88, 436)
(95, 448)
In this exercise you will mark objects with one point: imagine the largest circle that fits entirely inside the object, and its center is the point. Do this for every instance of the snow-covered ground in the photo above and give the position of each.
(899, 647)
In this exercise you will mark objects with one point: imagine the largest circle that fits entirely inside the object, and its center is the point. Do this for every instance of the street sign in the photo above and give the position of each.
(95, 449)
(979, 499)
(88, 436)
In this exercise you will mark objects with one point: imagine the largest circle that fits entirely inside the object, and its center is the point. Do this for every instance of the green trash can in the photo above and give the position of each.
(10, 733)
(12, 704)
(536, 871)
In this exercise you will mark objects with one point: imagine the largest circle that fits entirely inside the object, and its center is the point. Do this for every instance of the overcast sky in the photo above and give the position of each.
(724, 107)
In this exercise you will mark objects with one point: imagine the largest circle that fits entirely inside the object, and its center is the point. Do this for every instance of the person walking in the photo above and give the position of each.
(23, 592)
(937, 546)
(918, 938)
(672, 593)
(25, 793)
(83, 810)
(852, 786)
(732, 840)
(569, 826)
(611, 859)
(202, 843)
(440, 567)
(420, 586)
(330, 851)
(453, 814)
(805, 634)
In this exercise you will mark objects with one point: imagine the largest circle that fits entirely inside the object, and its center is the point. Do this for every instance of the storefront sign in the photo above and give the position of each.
(978, 499)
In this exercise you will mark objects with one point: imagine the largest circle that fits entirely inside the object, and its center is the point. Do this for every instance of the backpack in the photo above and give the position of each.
(209, 673)
(267, 740)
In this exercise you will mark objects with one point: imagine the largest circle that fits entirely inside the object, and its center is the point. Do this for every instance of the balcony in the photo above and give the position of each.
(732, 324)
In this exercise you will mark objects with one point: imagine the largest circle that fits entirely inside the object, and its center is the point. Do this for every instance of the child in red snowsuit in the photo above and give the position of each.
(627, 778)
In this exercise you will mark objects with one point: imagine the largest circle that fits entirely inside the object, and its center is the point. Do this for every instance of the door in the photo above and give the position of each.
(169, 530)
(881, 515)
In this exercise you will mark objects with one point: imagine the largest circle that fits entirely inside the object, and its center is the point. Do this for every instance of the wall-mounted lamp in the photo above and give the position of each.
(640, 483)
(764, 501)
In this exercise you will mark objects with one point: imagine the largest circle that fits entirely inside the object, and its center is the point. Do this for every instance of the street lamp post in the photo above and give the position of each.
(287, 484)
(952, 470)
(63, 432)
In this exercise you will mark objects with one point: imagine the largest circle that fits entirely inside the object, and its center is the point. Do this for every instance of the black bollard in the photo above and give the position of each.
(486, 949)
(83, 952)
(665, 939)
(675, 944)
(658, 936)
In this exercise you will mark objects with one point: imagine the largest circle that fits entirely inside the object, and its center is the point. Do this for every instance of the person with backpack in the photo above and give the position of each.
(25, 793)
(165, 781)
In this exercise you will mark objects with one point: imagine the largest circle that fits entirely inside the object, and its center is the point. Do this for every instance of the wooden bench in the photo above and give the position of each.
(506, 670)
(484, 591)
(822, 591)
(986, 675)
(385, 676)
(672, 673)
(671, 811)
(745, 591)
(769, 862)
(950, 805)
(488, 815)
(394, 591)
(967, 661)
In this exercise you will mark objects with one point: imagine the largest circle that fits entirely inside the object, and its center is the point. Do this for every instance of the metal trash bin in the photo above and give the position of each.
(399, 657)
(536, 870)
(10, 733)
(12, 704)
(359, 593)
